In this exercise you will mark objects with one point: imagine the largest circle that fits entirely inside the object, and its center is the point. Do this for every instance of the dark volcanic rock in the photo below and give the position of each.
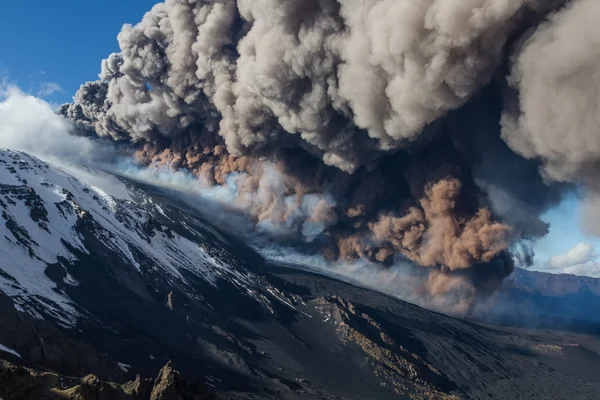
(169, 385)
(28, 384)
(43, 344)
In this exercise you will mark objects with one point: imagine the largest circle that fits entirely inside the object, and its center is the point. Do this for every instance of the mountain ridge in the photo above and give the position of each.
(553, 284)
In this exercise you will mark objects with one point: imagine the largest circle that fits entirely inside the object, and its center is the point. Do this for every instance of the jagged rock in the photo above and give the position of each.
(25, 383)
(170, 386)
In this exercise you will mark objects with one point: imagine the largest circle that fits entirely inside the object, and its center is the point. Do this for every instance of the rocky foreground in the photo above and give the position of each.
(25, 383)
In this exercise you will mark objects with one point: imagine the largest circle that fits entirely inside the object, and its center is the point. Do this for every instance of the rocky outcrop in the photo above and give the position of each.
(26, 383)
(169, 385)
(406, 372)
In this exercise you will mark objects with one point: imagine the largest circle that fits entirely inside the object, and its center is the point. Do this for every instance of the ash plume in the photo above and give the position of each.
(382, 130)
(434, 235)
(554, 116)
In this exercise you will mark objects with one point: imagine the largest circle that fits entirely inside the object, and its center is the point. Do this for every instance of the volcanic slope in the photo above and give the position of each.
(116, 285)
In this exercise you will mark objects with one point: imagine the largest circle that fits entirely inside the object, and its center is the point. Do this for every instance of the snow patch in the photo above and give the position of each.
(7, 350)
(124, 367)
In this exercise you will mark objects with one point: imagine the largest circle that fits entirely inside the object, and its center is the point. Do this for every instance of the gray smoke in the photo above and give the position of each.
(556, 73)
(349, 81)
(370, 128)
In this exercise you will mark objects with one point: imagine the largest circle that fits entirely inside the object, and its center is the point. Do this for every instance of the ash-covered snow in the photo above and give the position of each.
(41, 207)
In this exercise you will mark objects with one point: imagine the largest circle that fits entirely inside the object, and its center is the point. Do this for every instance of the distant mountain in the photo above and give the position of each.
(556, 285)
(543, 300)
(115, 286)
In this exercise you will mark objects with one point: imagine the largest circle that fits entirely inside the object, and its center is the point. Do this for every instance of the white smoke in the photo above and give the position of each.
(263, 206)
(29, 124)
(403, 280)
(226, 208)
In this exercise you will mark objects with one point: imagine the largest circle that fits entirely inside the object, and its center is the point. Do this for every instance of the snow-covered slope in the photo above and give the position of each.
(46, 218)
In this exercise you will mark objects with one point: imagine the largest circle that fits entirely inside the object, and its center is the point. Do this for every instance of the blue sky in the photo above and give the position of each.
(565, 230)
(49, 48)
(567, 248)
(61, 41)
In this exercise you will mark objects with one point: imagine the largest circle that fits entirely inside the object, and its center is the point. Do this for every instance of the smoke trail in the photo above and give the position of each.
(223, 206)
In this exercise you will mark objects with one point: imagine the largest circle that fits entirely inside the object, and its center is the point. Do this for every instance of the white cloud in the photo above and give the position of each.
(591, 268)
(580, 254)
(49, 88)
(29, 124)
(581, 260)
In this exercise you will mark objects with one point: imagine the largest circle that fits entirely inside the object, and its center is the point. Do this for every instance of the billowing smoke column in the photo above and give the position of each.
(556, 119)
(367, 128)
